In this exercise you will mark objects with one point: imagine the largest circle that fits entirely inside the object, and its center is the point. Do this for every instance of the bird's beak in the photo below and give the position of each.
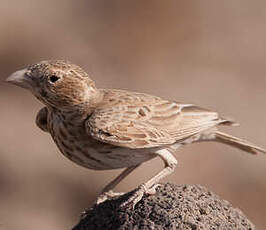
(20, 79)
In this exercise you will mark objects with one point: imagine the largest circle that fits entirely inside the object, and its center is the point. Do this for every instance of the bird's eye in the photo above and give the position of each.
(53, 78)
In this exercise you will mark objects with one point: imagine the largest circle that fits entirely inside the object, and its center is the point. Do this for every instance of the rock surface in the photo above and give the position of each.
(176, 207)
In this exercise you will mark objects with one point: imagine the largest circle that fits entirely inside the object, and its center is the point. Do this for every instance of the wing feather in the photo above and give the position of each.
(135, 120)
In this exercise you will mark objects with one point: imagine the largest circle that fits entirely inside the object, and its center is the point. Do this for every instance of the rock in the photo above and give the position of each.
(176, 207)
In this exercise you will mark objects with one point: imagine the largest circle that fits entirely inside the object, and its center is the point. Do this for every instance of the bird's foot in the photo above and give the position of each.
(133, 199)
(107, 195)
(138, 194)
(152, 189)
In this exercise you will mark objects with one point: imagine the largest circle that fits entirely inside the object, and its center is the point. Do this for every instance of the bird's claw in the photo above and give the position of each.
(138, 195)
(152, 189)
(135, 197)
(106, 196)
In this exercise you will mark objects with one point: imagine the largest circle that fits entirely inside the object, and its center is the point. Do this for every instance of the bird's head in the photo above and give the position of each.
(57, 84)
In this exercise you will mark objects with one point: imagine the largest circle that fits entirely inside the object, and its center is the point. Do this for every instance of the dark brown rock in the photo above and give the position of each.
(176, 207)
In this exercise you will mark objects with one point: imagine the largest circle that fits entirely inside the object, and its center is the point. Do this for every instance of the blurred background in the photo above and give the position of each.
(210, 53)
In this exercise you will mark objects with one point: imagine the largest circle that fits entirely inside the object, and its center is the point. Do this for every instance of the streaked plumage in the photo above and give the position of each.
(137, 120)
(107, 129)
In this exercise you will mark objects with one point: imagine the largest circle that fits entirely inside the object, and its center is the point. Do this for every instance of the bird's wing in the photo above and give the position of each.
(41, 119)
(135, 120)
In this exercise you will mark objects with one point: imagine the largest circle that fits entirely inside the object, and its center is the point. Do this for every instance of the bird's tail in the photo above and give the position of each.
(238, 143)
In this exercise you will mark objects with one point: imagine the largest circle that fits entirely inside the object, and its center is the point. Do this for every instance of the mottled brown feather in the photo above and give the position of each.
(150, 122)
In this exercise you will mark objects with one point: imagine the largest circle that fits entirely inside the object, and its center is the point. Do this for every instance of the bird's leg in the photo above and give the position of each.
(149, 187)
(170, 164)
(119, 178)
(107, 190)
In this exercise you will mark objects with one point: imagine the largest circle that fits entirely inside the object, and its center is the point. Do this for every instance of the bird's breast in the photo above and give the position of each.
(74, 143)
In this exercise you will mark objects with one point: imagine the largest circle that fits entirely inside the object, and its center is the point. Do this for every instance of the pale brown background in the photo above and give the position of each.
(211, 53)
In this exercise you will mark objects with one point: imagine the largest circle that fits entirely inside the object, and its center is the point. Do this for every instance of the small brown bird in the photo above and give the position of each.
(109, 129)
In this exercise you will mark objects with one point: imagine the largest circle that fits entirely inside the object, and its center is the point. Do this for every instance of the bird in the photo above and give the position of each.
(103, 129)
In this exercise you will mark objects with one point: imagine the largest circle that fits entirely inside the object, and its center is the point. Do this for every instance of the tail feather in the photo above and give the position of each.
(238, 143)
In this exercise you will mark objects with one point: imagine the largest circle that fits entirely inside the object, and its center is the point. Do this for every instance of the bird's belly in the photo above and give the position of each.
(96, 155)
(113, 158)
(107, 157)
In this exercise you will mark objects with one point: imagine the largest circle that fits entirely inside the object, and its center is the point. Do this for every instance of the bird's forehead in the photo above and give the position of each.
(49, 66)
(58, 66)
